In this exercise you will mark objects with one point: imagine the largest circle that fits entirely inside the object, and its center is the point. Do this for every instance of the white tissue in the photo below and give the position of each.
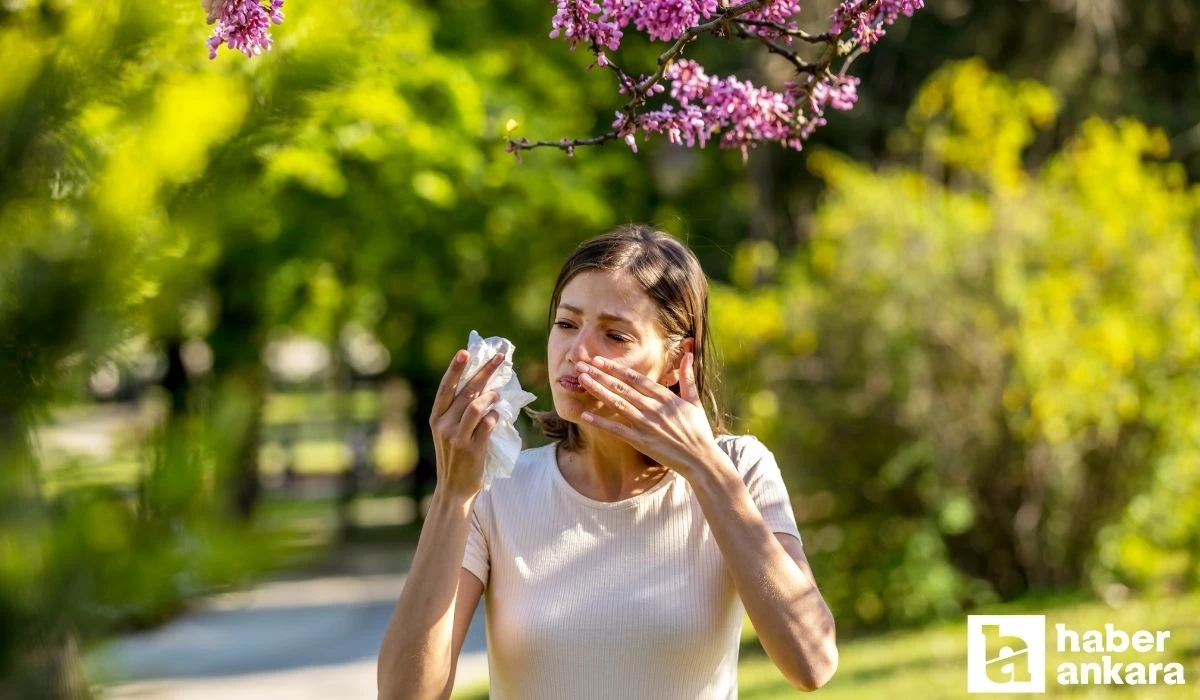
(505, 444)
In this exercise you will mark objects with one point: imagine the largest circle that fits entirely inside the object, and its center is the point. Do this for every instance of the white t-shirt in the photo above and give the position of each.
(630, 599)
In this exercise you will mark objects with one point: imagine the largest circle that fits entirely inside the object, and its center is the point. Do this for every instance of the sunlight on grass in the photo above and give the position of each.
(930, 663)
(306, 406)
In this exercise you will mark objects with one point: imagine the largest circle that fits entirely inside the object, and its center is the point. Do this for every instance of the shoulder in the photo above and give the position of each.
(746, 451)
(531, 465)
(533, 460)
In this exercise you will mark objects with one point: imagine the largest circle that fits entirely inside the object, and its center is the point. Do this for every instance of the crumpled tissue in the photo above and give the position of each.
(504, 446)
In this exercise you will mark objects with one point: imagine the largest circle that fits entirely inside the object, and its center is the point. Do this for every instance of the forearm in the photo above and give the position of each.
(793, 622)
(415, 656)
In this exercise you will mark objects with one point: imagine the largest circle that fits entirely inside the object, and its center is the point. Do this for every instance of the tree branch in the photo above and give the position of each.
(825, 38)
(726, 21)
(792, 57)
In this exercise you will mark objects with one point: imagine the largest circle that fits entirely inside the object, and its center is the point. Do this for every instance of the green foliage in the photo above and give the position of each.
(929, 662)
(355, 173)
(120, 569)
(979, 377)
(916, 663)
(975, 373)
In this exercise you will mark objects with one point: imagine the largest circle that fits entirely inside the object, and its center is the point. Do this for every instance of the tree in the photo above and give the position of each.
(982, 369)
(701, 106)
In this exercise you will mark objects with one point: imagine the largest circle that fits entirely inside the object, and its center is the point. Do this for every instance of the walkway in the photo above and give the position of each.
(313, 637)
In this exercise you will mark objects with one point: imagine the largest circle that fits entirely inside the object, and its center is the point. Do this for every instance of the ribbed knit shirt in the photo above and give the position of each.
(628, 599)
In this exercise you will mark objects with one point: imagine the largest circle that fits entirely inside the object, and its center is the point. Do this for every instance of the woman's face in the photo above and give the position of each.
(603, 314)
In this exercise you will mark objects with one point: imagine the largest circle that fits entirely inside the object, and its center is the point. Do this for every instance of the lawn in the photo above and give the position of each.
(311, 432)
(930, 663)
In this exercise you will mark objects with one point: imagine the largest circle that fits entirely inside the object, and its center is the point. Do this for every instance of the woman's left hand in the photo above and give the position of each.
(672, 430)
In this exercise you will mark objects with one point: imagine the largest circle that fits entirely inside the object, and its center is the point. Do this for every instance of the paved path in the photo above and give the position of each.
(315, 637)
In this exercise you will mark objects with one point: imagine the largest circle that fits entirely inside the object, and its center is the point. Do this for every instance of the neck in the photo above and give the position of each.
(608, 468)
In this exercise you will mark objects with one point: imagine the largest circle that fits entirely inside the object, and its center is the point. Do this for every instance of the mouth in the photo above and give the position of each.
(571, 385)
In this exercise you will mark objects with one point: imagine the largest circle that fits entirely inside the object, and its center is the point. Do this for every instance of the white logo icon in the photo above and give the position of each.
(1006, 653)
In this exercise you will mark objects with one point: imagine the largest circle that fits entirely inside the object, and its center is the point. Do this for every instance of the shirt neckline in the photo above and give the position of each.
(632, 501)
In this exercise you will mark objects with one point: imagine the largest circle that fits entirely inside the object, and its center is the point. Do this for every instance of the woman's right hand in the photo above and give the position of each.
(461, 430)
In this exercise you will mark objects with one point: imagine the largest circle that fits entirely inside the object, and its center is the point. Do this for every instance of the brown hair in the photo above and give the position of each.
(671, 275)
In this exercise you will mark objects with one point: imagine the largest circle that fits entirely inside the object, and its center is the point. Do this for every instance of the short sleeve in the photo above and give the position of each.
(762, 477)
(476, 559)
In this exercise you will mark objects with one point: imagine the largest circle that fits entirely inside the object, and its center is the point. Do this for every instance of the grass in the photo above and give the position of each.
(930, 662)
(88, 444)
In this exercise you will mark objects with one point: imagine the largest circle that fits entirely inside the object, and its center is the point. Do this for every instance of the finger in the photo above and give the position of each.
(641, 383)
(475, 386)
(688, 390)
(616, 398)
(474, 413)
(622, 431)
(484, 430)
(445, 391)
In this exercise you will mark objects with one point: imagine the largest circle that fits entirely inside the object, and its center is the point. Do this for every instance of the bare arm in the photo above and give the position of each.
(773, 580)
(419, 653)
(470, 590)
(420, 649)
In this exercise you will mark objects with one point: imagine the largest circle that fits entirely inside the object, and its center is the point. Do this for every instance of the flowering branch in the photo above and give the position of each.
(702, 106)
(790, 31)
(772, 47)
(242, 24)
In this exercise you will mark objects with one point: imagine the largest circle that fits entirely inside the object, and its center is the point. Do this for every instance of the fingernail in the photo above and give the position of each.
(459, 357)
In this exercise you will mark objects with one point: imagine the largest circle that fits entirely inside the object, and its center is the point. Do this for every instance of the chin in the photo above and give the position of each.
(569, 408)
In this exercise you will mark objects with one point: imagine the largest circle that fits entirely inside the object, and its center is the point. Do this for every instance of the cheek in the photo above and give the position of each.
(638, 358)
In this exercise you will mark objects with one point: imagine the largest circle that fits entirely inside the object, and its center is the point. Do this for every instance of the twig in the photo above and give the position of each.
(641, 90)
(694, 33)
(623, 78)
(722, 22)
(794, 33)
(800, 65)
(567, 145)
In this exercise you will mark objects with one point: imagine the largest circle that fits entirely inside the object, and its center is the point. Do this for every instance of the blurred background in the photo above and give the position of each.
(966, 319)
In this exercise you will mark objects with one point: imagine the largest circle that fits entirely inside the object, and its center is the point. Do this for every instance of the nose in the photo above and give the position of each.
(581, 349)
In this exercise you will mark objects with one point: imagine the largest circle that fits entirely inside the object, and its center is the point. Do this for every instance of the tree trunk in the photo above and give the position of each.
(49, 668)
(46, 664)
(247, 386)
(239, 374)
(176, 380)
(424, 476)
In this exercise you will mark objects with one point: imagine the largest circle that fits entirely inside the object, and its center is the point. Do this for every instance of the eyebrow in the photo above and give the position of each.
(603, 316)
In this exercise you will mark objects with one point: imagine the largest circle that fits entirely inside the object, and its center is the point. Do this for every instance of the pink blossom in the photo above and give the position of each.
(574, 22)
(242, 25)
(667, 20)
(700, 107)
(866, 20)
(779, 12)
(602, 22)
(743, 114)
(837, 91)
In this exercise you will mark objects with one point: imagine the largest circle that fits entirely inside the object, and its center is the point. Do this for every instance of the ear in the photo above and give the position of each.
(672, 376)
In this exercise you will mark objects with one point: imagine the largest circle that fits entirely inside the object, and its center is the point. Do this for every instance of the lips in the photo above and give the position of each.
(570, 384)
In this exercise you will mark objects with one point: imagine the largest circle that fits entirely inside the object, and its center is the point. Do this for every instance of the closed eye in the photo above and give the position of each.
(614, 336)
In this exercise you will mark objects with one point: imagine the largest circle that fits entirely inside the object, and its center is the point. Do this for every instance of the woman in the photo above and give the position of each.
(617, 559)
